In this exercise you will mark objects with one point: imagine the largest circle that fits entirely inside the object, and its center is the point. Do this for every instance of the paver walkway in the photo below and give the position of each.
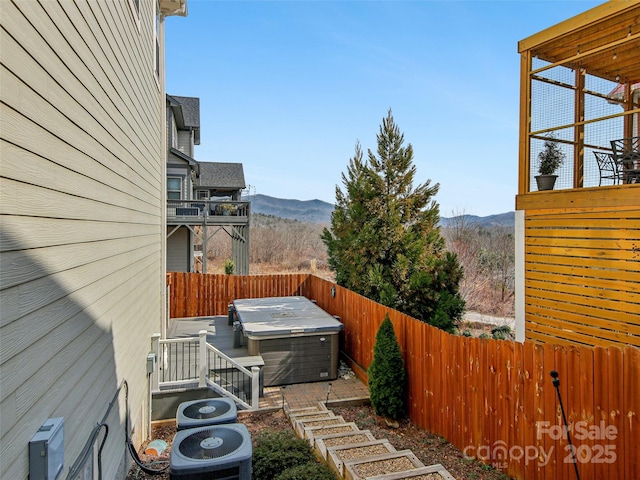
(303, 395)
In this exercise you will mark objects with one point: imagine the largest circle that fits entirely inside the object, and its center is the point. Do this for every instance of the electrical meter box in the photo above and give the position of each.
(46, 451)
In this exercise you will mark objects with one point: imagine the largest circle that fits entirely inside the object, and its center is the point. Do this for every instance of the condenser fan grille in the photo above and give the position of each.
(207, 409)
(206, 412)
(210, 443)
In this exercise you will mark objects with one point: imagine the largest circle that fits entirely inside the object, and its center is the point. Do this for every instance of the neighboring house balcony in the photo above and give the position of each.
(207, 213)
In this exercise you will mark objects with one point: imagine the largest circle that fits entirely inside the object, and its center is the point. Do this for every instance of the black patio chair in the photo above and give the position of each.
(608, 167)
(626, 153)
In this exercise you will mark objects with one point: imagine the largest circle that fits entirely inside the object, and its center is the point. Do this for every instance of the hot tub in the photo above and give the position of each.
(297, 340)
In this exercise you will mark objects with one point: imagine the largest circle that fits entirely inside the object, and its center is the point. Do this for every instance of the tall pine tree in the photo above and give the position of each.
(385, 242)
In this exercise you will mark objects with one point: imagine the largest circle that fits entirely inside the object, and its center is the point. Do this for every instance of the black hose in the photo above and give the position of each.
(130, 447)
(73, 470)
(556, 383)
(104, 440)
(86, 451)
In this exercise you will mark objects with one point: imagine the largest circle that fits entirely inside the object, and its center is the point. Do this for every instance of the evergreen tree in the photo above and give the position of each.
(385, 242)
(387, 376)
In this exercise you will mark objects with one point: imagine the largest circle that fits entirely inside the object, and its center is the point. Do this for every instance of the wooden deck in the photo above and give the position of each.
(207, 213)
(219, 333)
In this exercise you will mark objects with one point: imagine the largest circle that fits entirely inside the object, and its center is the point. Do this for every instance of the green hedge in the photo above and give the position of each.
(280, 455)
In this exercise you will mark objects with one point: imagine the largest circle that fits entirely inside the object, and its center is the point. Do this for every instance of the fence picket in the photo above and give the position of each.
(517, 401)
(587, 411)
(631, 433)
(616, 408)
(601, 396)
(565, 468)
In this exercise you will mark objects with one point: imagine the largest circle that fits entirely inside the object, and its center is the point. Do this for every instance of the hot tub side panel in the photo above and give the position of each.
(298, 359)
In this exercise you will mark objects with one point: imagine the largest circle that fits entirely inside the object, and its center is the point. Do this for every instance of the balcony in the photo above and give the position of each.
(580, 84)
(207, 213)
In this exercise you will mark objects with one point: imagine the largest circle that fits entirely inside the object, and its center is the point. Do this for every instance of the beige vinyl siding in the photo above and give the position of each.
(179, 251)
(185, 142)
(81, 199)
(183, 173)
(173, 138)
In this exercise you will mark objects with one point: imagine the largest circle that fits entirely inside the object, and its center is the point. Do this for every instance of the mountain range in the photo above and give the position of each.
(318, 211)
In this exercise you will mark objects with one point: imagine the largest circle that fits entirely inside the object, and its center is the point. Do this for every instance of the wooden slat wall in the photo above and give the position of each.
(582, 276)
(485, 396)
(81, 204)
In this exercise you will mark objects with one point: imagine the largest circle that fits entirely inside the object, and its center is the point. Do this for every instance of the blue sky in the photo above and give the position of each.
(287, 88)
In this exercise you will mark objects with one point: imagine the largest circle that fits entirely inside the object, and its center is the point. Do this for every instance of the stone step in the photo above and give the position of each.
(327, 419)
(433, 472)
(336, 456)
(311, 432)
(400, 461)
(335, 441)
(319, 407)
(306, 417)
(323, 442)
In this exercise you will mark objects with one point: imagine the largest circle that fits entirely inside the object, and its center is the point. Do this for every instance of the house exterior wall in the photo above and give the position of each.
(172, 129)
(185, 142)
(180, 168)
(179, 250)
(82, 232)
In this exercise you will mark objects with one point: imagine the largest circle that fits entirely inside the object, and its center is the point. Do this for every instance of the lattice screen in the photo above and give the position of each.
(554, 102)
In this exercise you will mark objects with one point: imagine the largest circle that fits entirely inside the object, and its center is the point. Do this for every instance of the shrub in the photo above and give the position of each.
(551, 157)
(228, 266)
(277, 451)
(308, 471)
(502, 332)
(387, 376)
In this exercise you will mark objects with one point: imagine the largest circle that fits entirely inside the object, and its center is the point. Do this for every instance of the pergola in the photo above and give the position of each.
(580, 82)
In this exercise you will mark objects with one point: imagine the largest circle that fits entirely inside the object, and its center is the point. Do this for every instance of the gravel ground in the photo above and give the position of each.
(427, 447)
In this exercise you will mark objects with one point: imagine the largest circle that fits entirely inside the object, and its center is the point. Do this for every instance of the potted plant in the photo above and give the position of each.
(551, 159)
(228, 208)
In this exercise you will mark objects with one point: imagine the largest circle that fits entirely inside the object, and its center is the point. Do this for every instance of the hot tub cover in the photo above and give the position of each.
(283, 316)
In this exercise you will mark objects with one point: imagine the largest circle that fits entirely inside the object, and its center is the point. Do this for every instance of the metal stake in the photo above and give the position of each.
(328, 392)
(282, 393)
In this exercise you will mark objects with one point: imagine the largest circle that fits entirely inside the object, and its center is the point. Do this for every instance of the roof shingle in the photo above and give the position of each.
(221, 175)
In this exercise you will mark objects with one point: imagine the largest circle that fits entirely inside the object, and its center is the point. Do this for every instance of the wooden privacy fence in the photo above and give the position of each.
(492, 399)
(198, 295)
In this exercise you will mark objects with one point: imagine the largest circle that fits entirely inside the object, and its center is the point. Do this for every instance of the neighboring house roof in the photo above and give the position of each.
(173, 7)
(221, 175)
(618, 92)
(183, 156)
(186, 111)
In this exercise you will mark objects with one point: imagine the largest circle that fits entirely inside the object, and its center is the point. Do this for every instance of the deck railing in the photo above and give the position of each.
(191, 209)
(192, 362)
